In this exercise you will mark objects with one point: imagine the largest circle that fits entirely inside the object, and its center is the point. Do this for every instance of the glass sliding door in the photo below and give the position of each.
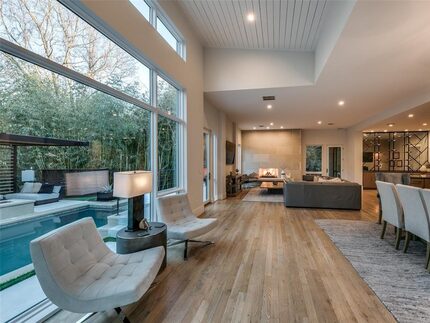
(207, 167)
(334, 166)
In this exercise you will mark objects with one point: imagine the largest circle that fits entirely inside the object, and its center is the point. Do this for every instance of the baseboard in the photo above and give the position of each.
(199, 210)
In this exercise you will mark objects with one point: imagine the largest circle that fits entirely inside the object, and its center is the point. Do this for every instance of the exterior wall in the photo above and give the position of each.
(272, 149)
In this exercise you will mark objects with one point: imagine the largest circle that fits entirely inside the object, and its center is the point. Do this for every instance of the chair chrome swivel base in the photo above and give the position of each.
(118, 310)
(205, 243)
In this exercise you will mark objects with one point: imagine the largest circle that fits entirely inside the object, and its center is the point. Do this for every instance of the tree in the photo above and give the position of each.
(37, 102)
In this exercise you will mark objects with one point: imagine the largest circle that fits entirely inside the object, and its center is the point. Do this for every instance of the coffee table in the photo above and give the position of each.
(272, 187)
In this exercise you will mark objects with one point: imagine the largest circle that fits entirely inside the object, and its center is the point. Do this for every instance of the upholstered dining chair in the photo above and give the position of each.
(79, 273)
(425, 194)
(416, 214)
(182, 225)
(392, 211)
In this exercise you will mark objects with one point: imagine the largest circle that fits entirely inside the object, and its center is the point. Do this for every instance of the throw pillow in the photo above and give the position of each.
(56, 189)
(46, 188)
(36, 187)
(27, 188)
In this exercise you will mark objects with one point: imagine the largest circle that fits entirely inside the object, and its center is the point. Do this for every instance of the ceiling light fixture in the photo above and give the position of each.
(372, 130)
(271, 123)
(250, 17)
(390, 124)
(269, 106)
(385, 130)
(420, 129)
(410, 115)
(282, 127)
(406, 130)
(425, 124)
(267, 127)
(341, 103)
(254, 128)
(319, 122)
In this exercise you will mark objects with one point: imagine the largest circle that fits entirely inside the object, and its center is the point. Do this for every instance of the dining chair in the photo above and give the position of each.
(392, 211)
(425, 194)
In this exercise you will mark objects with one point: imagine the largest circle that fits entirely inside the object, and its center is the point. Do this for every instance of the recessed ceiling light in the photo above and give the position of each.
(282, 127)
(269, 106)
(390, 124)
(271, 123)
(385, 130)
(254, 128)
(372, 130)
(267, 127)
(319, 122)
(425, 124)
(420, 129)
(410, 115)
(406, 130)
(250, 17)
(341, 103)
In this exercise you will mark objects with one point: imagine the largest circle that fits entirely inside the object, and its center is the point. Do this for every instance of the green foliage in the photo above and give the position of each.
(313, 158)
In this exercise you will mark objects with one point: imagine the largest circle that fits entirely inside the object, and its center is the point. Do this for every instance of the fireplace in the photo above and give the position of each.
(268, 172)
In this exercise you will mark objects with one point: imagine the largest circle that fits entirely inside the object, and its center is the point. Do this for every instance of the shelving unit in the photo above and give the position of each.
(398, 151)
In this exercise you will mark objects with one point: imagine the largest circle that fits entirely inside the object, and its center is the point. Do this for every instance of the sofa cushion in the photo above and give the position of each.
(56, 189)
(27, 188)
(36, 187)
(46, 188)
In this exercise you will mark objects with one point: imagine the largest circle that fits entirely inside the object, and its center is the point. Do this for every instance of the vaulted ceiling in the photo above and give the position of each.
(279, 24)
(374, 55)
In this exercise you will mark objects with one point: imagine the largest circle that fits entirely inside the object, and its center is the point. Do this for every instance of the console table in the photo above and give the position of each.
(133, 241)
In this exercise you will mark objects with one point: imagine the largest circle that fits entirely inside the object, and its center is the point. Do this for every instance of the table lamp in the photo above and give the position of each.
(133, 185)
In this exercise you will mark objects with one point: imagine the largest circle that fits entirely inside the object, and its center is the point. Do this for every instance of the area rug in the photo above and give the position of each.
(399, 280)
(262, 195)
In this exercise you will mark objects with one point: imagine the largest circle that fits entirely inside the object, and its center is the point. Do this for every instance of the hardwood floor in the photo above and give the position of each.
(269, 264)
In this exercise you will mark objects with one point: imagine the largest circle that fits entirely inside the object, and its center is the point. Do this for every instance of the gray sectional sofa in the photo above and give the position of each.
(345, 195)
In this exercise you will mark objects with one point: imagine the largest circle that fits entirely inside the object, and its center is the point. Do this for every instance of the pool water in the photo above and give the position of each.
(15, 238)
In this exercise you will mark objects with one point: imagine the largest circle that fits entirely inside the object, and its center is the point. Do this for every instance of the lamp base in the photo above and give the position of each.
(135, 213)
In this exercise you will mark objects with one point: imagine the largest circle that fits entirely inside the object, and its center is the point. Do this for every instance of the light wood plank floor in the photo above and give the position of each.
(269, 264)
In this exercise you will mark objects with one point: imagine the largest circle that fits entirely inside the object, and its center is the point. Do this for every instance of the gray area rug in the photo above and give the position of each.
(399, 280)
(262, 195)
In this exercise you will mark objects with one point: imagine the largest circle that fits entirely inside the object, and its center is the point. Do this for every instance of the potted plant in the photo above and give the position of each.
(106, 194)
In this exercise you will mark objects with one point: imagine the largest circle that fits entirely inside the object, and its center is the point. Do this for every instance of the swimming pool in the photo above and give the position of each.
(15, 238)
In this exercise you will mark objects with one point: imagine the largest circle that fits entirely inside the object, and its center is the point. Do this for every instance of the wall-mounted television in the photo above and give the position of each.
(230, 152)
(367, 157)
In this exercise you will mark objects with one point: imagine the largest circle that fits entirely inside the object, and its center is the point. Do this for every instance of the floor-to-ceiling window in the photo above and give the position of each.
(61, 78)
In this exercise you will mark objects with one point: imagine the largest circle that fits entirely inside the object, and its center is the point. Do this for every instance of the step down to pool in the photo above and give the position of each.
(115, 223)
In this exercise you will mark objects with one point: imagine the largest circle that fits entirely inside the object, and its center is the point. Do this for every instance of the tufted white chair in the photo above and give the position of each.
(392, 211)
(182, 224)
(426, 199)
(416, 214)
(79, 273)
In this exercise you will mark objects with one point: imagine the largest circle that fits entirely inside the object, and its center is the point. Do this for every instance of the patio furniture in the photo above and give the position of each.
(392, 211)
(13, 208)
(182, 224)
(416, 215)
(79, 273)
(33, 192)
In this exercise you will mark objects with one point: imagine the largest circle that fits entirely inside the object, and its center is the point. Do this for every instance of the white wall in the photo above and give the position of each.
(223, 129)
(325, 138)
(236, 69)
(128, 22)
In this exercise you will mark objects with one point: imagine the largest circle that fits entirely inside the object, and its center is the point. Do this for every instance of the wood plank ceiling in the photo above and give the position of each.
(279, 24)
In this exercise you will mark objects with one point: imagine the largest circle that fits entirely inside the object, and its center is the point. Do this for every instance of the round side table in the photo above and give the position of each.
(133, 241)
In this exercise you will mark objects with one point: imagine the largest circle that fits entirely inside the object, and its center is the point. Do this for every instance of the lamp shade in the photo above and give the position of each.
(27, 175)
(132, 184)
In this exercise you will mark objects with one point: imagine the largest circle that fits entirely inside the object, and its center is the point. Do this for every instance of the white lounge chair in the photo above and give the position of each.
(181, 223)
(79, 273)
